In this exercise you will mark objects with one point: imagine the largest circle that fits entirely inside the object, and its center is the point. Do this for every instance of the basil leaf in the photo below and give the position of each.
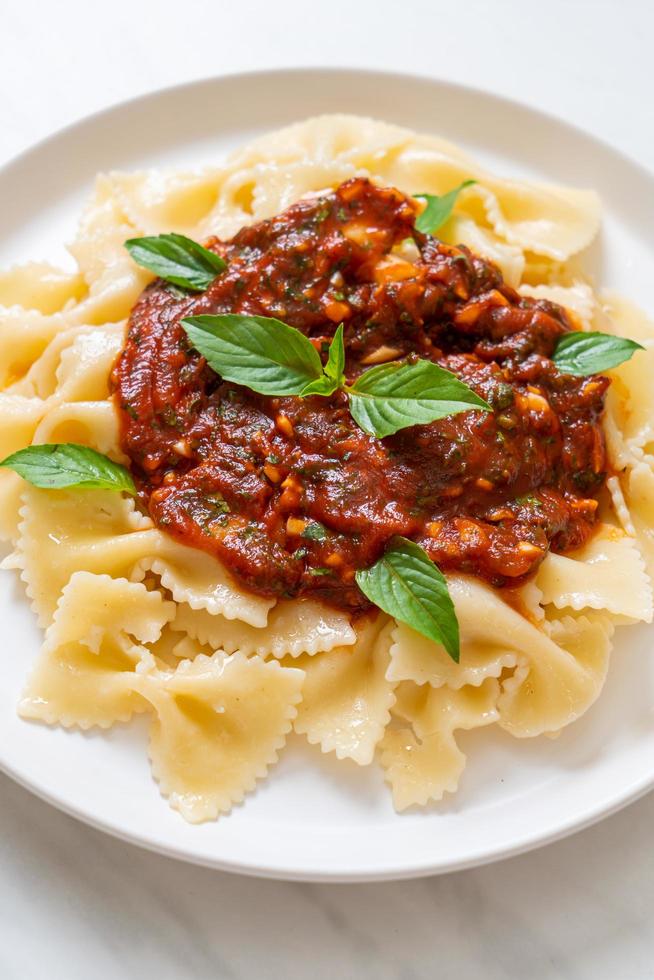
(321, 386)
(438, 209)
(393, 396)
(406, 584)
(259, 352)
(55, 466)
(332, 378)
(582, 353)
(336, 358)
(272, 358)
(177, 259)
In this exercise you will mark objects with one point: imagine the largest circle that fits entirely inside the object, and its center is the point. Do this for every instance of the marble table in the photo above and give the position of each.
(75, 903)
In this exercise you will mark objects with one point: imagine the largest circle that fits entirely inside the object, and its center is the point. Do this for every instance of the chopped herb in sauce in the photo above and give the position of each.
(315, 531)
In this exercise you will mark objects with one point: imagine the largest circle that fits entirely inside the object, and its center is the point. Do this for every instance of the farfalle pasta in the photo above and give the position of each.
(226, 658)
(347, 696)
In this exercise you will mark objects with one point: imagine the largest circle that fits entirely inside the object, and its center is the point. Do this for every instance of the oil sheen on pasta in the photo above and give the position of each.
(289, 493)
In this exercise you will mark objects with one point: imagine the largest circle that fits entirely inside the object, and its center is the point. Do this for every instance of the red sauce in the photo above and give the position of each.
(289, 493)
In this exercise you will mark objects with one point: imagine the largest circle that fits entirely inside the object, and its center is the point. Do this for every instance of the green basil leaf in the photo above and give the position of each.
(259, 352)
(335, 365)
(406, 584)
(177, 259)
(321, 386)
(438, 209)
(332, 378)
(55, 466)
(393, 396)
(582, 353)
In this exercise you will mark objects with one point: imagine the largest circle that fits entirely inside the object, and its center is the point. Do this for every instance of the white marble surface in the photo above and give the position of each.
(77, 904)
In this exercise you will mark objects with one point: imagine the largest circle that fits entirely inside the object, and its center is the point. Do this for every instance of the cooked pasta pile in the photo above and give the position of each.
(137, 622)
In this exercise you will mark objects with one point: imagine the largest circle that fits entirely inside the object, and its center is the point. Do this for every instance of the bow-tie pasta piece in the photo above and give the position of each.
(423, 761)
(346, 698)
(325, 138)
(19, 418)
(85, 365)
(318, 153)
(114, 281)
(294, 626)
(156, 203)
(40, 380)
(549, 221)
(619, 505)
(556, 222)
(11, 488)
(40, 286)
(620, 453)
(201, 581)
(49, 405)
(260, 192)
(529, 600)
(74, 366)
(556, 685)
(173, 647)
(485, 651)
(86, 671)
(24, 336)
(418, 659)
(62, 532)
(633, 379)
(622, 317)
(639, 491)
(461, 229)
(607, 573)
(93, 423)
(630, 402)
(220, 723)
(564, 675)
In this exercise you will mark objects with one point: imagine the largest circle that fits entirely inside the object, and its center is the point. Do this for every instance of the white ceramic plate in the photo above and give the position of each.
(315, 818)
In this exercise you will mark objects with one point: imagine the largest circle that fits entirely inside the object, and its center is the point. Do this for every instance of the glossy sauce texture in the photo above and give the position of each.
(289, 492)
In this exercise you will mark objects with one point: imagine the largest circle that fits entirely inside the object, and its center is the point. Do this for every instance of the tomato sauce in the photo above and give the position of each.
(288, 492)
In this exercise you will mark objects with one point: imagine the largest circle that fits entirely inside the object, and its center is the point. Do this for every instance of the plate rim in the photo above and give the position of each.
(234, 76)
(528, 841)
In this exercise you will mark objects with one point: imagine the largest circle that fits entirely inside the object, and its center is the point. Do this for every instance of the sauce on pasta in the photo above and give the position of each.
(288, 492)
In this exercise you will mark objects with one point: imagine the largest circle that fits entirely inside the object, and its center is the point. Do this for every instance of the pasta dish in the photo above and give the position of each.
(335, 437)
